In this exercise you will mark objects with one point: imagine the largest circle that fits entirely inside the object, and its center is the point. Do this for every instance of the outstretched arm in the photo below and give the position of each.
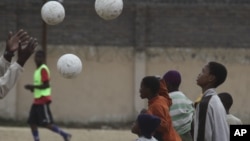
(32, 87)
(8, 80)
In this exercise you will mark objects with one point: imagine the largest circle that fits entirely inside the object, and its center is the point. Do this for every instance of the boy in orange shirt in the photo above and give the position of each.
(158, 106)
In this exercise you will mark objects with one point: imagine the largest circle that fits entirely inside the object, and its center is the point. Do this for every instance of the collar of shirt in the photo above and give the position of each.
(210, 91)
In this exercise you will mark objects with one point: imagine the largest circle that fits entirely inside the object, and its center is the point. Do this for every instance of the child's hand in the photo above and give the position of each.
(13, 41)
(25, 53)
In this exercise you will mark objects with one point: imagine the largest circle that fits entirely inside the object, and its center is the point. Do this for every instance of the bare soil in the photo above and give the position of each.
(24, 134)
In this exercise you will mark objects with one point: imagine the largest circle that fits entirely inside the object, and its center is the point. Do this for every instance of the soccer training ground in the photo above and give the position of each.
(24, 134)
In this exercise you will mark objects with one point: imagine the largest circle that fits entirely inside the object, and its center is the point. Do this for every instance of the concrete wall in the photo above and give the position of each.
(107, 90)
(164, 23)
(168, 34)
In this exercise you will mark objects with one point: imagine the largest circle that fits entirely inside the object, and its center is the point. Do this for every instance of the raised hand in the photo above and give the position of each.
(25, 53)
(14, 40)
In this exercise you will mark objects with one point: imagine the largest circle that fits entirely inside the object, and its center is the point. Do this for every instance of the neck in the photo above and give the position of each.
(206, 88)
(173, 90)
(151, 97)
(38, 65)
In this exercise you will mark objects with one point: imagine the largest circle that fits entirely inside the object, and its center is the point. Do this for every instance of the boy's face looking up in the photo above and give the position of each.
(204, 78)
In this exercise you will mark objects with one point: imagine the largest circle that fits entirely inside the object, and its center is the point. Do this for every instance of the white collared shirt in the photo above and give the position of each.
(216, 126)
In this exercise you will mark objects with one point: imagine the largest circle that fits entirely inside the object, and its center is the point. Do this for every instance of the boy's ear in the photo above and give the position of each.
(211, 78)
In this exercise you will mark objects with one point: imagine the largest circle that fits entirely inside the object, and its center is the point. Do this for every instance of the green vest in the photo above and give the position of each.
(38, 81)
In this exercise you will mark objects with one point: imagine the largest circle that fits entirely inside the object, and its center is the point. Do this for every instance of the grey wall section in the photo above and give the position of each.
(102, 93)
(201, 23)
(198, 26)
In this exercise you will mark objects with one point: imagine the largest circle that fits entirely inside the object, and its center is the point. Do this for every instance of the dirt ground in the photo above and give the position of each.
(24, 134)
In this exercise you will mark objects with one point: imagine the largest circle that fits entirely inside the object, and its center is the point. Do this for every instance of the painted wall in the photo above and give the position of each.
(107, 90)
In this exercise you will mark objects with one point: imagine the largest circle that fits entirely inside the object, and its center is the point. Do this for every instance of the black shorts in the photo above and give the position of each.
(40, 115)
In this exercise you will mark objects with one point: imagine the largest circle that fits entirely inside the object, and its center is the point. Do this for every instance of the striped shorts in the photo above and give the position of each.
(40, 115)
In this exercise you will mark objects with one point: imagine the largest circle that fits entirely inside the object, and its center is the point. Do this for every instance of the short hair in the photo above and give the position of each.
(226, 100)
(40, 53)
(173, 78)
(152, 83)
(219, 71)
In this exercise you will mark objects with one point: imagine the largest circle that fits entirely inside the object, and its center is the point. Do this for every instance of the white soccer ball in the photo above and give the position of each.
(108, 9)
(52, 12)
(69, 65)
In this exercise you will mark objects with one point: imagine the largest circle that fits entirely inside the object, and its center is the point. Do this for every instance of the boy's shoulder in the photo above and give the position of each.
(233, 120)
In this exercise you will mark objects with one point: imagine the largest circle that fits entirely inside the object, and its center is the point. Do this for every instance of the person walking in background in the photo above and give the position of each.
(9, 73)
(40, 113)
(227, 102)
(157, 106)
(147, 125)
(182, 109)
(210, 116)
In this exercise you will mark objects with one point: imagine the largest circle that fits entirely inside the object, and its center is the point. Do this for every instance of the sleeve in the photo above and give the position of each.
(4, 65)
(45, 75)
(8, 80)
(189, 106)
(163, 114)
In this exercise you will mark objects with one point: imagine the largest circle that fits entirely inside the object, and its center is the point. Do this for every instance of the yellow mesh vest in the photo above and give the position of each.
(38, 81)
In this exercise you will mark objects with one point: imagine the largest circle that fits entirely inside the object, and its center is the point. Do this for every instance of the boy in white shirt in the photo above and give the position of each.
(227, 102)
(210, 122)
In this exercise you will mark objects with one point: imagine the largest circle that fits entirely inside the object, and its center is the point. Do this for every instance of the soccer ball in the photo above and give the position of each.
(69, 65)
(52, 12)
(108, 9)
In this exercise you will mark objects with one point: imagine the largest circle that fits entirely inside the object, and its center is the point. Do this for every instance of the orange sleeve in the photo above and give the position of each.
(162, 113)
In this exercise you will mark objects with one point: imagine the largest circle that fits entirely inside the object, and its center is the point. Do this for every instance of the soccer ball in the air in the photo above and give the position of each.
(69, 65)
(52, 12)
(108, 9)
